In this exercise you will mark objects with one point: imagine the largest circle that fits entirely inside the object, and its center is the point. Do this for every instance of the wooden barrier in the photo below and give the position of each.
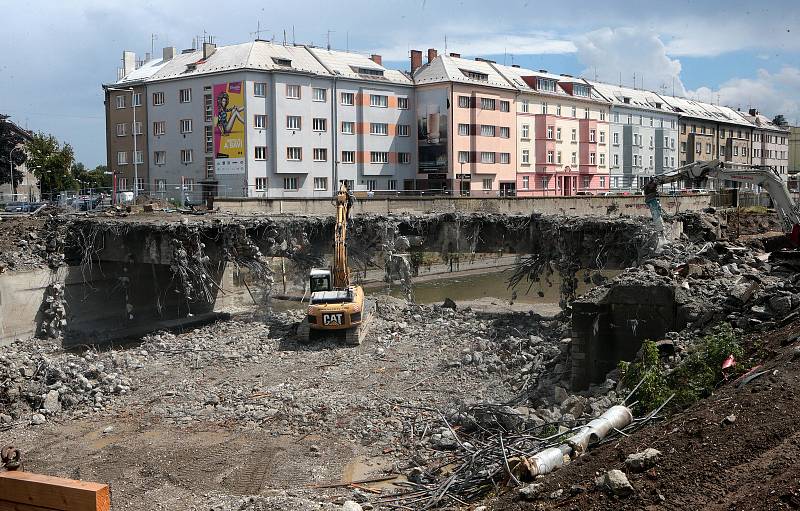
(23, 491)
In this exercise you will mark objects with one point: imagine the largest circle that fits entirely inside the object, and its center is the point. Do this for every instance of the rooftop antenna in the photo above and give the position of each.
(620, 78)
(284, 37)
(258, 30)
(673, 86)
(329, 38)
(293, 39)
(595, 73)
(445, 44)
(347, 39)
(153, 38)
(634, 80)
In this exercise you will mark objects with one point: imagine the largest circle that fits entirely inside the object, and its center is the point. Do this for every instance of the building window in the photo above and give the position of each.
(122, 158)
(602, 182)
(320, 183)
(487, 157)
(591, 158)
(319, 124)
(544, 108)
(505, 158)
(574, 158)
(290, 183)
(487, 183)
(186, 125)
(209, 133)
(585, 180)
(602, 159)
(549, 132)
(574, 135)
(402, 103)
(602, 137)
(138, 157)
(591, 135)
(586, 113)
(261, 152)
(615, 138)
(319, 94)
(122, 183)
(260, 89)
(558, 133)
(378, 100)
(208, 105)
(262, 184)
(574, 112)
(160, 157)
(708, 148)
(293, 91)
(137, 128)
(348, 127)
(140, 184)
(404, 158)
(402, 130)
(487, 104)
(526, 131)
(294, 153)
(735, 149)
(378, 128)
(602, 115)
(546, 85)
(526, 182)
(187, 155)
(293, 122)
(544, 182)
(463, 101)
(209, 168)
(526, 156)
(550, 156)
(650, 162)
(505, 106)
(120, 101)
(392, 184)
(616, 116)
(122, 129)
(348, 98)
(378, 157)
(348, 156)
(161, 185)
(524, 106)
(487, 130)
(260, 121)
(159, 128)
(372, 184)
(558, 157)
(320, 154)
(616, 160)
(558, 109)
(185, 96)
(463, 157)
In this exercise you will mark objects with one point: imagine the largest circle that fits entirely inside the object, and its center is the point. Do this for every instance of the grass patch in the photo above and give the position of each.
(694, 378)
(754, 210)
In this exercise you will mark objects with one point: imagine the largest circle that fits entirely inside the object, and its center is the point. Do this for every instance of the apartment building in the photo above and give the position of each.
(128, 158)
(562, 133)
(643, 135)
(272, 120)
(770, 143)
(466, 125)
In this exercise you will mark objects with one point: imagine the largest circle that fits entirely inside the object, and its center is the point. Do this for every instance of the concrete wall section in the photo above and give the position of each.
(571, 206)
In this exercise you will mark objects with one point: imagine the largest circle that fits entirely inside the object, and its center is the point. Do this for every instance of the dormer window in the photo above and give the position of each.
(580, 90)
(369, 72)
(658, 105)
(282, 62)
(546, 85)
(627, 101)
(474, 75)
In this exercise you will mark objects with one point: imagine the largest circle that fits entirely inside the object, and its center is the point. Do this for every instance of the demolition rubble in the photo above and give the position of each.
(443, 405)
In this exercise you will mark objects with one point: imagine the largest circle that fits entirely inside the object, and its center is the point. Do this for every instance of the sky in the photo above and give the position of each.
(56, 54)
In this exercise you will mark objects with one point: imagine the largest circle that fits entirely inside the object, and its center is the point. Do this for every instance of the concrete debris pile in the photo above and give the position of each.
(32, 242)
(53, 311)
(284, 502)
(38, 380)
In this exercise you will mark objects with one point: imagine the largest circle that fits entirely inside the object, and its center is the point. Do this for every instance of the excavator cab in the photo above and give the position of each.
(320, 280)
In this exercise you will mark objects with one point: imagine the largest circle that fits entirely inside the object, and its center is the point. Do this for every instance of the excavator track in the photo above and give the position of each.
(355, 336)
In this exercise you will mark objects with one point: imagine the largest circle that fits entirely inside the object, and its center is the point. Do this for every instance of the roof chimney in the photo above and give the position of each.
(376, 59)
(208, 50)
(431, 55)
(455, 55)
(416, 60)
(514, 65)
(753, 112)
(128, 62)
(168, 53)
(543, 70)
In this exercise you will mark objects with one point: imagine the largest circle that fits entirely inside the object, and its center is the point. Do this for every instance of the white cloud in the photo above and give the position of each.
(621, 53)
(770, 93)
(492, 44)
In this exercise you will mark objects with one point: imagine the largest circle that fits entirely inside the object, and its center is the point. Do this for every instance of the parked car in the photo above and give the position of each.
(583, 192)
(22, 207)
(86, 202)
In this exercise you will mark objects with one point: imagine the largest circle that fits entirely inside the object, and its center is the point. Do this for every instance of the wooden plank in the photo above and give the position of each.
(12, 506)
(54, 492)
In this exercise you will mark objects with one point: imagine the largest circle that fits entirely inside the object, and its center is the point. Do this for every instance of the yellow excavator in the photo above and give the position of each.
(336, 306)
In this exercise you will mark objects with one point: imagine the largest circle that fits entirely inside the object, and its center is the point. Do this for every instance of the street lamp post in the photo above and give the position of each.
(133, 130)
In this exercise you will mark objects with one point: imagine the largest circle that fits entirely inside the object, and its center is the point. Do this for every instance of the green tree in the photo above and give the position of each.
(780, 120)
(9, 139)
(95, 178)
(51, 163)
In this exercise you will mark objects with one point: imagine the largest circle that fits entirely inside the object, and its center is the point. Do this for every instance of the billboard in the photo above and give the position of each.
(229, 126)
(432, 123)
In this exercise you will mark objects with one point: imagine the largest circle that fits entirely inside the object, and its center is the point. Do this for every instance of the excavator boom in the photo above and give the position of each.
(341, 270)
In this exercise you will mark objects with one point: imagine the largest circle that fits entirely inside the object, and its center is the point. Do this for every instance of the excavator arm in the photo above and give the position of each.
(341, 271)
(764, 176)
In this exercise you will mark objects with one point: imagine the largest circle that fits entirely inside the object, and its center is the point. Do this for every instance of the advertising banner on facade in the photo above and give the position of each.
(432, 123)
(229, 127)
